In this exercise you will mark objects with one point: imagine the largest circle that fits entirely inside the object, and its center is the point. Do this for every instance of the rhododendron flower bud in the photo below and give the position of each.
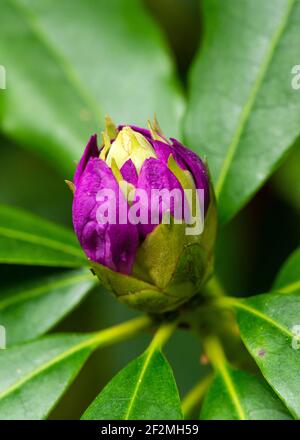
(144, 214)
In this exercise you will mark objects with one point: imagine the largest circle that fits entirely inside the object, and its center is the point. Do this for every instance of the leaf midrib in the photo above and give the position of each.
(245, 114)
(64, 355)
(40, 290)
(150, 352)
(289, 288)
(233, 395)
(91, 342)
(263, 316)
(70, 73)
(36, 239)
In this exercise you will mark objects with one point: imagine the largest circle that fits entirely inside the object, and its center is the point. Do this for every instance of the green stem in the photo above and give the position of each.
(227, 302)
(162, 335)
(160, 338)
(214, 288)
(102, 338)
(195, 395)
(217, 357)
(215, 352)
(118, 332)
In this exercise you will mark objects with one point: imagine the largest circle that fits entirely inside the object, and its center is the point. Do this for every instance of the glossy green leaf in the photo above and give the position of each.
(63, 76)
(30, 310)
(243, 112)
(33, 376)
(269, 326)
(288, 279)
(144, 390)
(27, 239)
(256, 399)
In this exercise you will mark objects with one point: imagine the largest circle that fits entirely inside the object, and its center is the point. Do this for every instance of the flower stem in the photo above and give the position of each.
(119, 332)
(218, 359)
(195, 395)
(162, 335)
(215, 352)
(214, 288)
(227, 302)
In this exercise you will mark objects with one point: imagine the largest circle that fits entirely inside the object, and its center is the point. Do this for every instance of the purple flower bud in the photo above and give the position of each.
(135, 166)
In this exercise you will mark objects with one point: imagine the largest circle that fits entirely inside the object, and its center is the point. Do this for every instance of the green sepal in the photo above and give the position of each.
(117, 283)
(208, 237)
(158, 255)
(169, 269)
(110, 128)
(135, 293)
(189, 274)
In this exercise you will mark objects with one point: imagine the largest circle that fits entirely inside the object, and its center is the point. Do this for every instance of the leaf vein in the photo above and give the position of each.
(36, 239)
(40, 290)
(245, 114)
(70, 72)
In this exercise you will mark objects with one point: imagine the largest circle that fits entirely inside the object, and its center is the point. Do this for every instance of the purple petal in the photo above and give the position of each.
(91, 150)
(113, 245)
(129, 172)
(196, 167)
(156, 175)
(163, 152)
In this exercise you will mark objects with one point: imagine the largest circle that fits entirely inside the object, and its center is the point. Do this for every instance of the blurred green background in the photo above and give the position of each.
(250, 249)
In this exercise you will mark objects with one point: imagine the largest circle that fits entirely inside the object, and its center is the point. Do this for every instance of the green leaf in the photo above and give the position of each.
(33, 376)
(27, 239)
(256, 399)
(269, 325)
(70, 63)
(31, 310)
(288, 279)
(243, 112)
(144, 390)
